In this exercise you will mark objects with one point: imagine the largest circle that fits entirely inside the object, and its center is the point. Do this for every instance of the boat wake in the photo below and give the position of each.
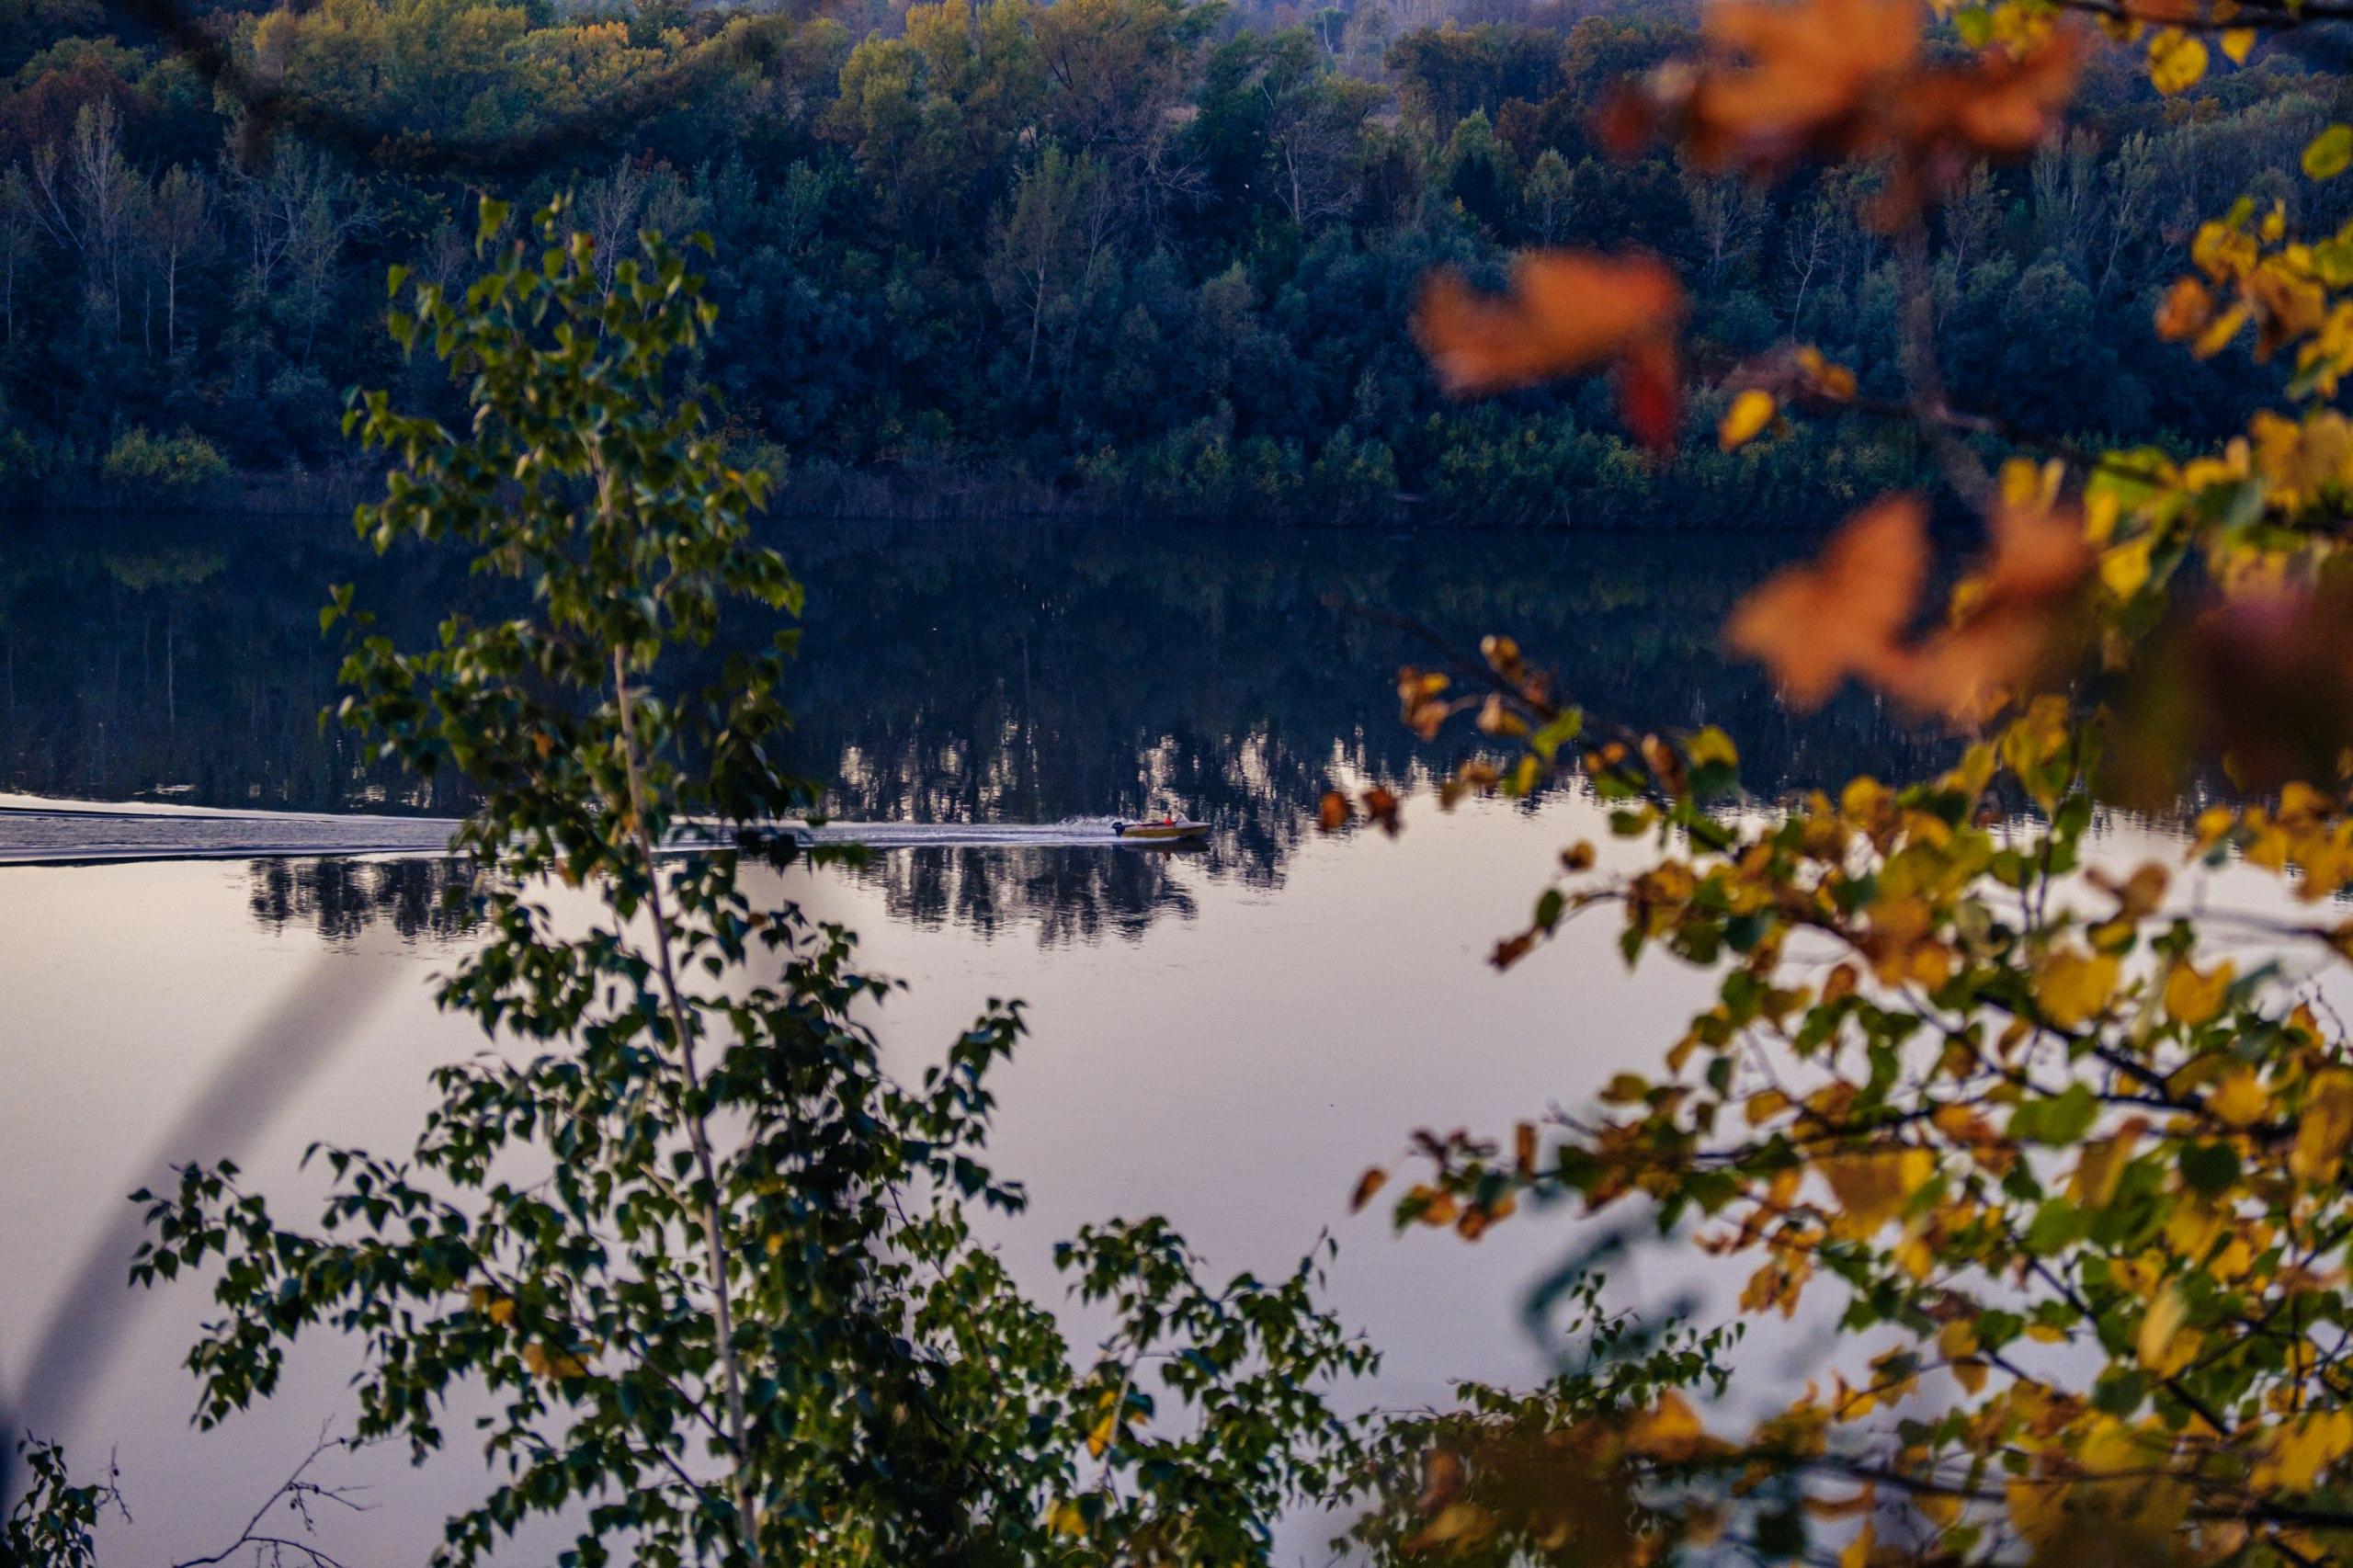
(35, 831)
(1073, 832)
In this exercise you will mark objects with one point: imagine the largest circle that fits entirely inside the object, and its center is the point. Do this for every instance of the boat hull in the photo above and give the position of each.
(1160, 832)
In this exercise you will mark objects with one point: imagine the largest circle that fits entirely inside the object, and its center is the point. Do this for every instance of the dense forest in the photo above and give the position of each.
(1146, 256)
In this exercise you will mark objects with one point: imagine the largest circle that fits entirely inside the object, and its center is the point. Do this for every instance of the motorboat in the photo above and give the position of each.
(1165, 830)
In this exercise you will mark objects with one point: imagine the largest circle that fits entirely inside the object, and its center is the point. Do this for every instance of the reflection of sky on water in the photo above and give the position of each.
(1235, 1069)
(1228, 1035)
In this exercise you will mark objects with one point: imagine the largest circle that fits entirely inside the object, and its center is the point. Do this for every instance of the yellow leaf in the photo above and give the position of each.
(2038, 1508)
(2324, 1127)
(2239, 1098)
(1971, 1375)
(2301, 1450)
(2238, 43)
(2218, 334)
(551, 1363)
(2100, 1167)
(1066, 1520)
(2192, 1229)
(1625, 1088)
(2299, 803)
(1669, 1430)
(1871, 1188)
(1456, 1521)
(1711, 746)
(1747, 416)
(2124, 571)
(1857, 1553)
(1105, 1430)
(2330, 153)
(2176, 61)
(1824, 379)
(2159, 1324)
(2073, 987)
(1917, 1258)
(2192, 998)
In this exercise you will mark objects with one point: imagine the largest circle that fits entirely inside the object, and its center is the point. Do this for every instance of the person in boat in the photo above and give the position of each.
(1164, 820)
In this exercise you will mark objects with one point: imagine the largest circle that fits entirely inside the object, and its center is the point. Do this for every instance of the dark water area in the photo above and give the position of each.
(1020, 672)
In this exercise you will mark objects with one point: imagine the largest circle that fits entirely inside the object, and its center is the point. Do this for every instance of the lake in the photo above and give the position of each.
(1229, 1036)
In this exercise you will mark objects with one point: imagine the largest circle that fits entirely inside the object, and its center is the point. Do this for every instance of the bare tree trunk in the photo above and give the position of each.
(747, 1517)
(1037, 324)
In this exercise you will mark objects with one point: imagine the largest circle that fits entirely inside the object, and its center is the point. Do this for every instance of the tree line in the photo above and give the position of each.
(1135, 255)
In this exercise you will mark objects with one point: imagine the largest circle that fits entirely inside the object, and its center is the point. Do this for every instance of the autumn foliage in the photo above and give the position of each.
(2063, 1147)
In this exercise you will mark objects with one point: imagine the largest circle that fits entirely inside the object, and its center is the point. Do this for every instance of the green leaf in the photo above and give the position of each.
(2210, 1168)
(2330, 153)
(493, 218)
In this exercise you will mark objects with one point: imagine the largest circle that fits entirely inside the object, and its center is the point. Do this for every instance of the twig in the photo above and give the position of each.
(1925, 380)
(297, 1495)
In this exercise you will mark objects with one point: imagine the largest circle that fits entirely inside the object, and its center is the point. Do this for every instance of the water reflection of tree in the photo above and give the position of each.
(182, 656)
(1014, 673)
(1068, 895)
(1042, 673)
(341, 898)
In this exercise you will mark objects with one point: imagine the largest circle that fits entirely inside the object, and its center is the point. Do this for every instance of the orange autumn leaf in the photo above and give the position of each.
(1566, 311)
(1332, 813)
(1650, 392)
(2188, 307)
(1793, 80)
(1788, 80)
(1814, 626)
(2010, 620)
(2000, 106)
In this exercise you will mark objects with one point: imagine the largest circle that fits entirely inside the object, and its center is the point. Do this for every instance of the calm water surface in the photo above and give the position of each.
(1228, 1036)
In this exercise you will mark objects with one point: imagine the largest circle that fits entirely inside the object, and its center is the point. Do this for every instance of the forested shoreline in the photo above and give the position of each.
(1141, 257)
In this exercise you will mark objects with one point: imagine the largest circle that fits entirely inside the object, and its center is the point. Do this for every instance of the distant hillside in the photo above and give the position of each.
(1129, 256)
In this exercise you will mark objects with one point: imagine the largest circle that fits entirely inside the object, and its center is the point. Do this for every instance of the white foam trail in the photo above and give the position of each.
(39, 831)
(1076, 833)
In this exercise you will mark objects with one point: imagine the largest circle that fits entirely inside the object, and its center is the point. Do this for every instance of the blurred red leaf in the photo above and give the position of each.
(2010, 623)
(1814, 625)
(1650, 393)
(1566, 311)
(1784, 81)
